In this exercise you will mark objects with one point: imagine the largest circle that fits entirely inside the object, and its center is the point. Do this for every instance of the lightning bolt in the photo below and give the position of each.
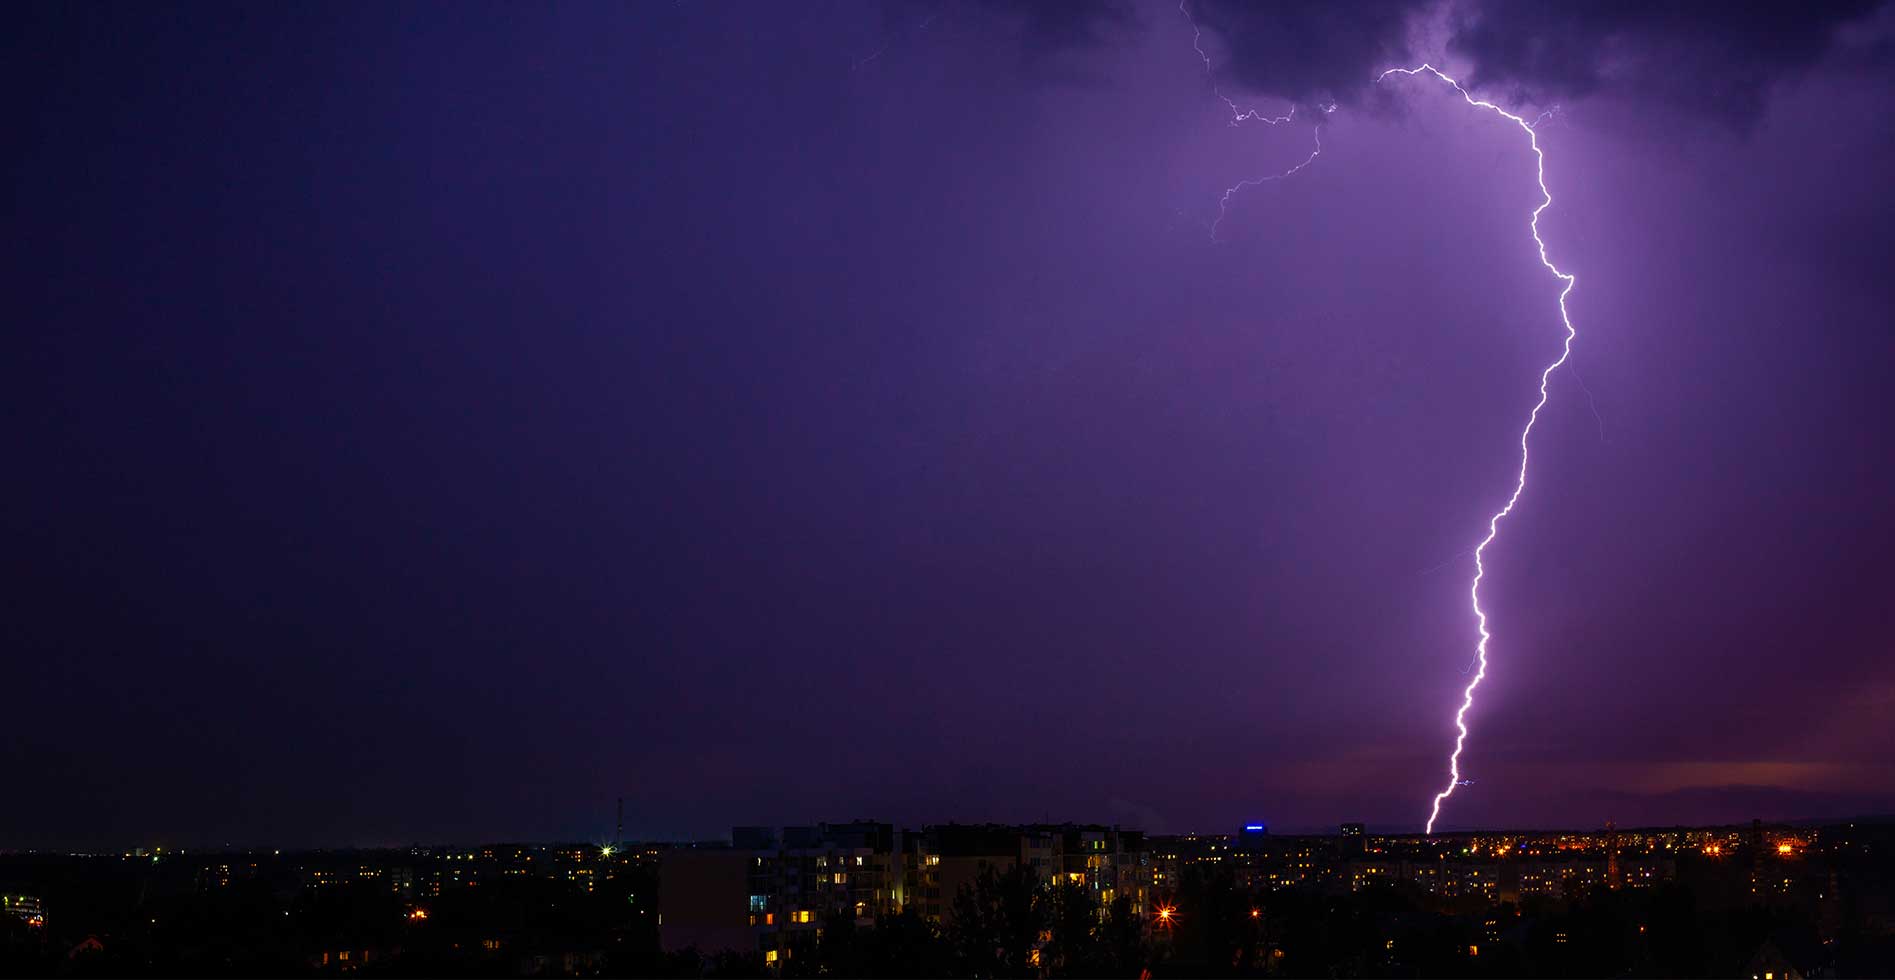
(1237, 116)
(1520, 478)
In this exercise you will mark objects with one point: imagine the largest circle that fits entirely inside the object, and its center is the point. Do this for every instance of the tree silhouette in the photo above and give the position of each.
(997, 924)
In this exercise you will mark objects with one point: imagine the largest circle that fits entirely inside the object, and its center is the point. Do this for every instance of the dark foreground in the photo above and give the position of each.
(575, 910)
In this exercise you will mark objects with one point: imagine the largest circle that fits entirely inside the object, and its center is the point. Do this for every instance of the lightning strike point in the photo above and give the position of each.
(1520, 480)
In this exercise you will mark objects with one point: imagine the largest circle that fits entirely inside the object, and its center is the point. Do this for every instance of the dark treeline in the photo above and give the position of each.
(1006, 925)
(111, 919)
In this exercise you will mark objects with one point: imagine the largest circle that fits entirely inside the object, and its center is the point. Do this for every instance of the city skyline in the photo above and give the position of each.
(614, 838)
(863, 897)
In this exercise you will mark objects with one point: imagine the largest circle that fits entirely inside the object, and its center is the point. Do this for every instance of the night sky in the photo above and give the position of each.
(434, 421)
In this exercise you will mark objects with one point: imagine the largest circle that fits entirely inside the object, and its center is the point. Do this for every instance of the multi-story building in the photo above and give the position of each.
(27, 908)
(773, 890)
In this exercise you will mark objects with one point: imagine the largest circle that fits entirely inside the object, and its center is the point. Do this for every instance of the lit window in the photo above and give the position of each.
(841, 878)
(769, 956)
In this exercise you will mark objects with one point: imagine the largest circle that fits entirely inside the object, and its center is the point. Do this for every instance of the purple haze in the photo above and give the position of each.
(433, 423)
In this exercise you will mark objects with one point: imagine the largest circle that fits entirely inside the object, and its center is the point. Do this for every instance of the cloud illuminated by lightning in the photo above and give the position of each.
(1455, 779)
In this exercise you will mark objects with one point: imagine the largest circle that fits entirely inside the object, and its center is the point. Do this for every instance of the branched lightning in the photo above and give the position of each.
(1239, 116)
(1223, 203)
(1455, 779)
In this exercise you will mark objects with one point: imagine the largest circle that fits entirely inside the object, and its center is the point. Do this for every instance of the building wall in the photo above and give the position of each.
(702, 900)
(954, 873)
(774, 888)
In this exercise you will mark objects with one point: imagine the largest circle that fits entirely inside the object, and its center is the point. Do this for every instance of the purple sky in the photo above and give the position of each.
(434, 422)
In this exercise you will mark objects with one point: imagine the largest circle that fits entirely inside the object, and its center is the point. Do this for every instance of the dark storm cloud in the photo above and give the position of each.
(1713, 59)
(1061, 25)
(1310, 49)
(1043, 27)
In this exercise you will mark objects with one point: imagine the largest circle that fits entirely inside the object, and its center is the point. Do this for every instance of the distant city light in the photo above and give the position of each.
(1785, 848)
(1251, 826)
(1166, 912)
